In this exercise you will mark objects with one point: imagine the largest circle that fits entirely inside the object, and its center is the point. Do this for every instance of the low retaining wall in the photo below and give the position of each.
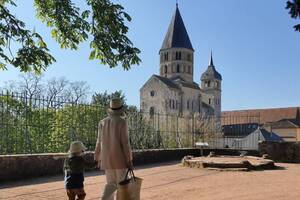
(16, 167)
(281, 151)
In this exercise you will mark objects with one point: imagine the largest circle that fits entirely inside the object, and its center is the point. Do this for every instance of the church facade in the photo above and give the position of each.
(174, 91)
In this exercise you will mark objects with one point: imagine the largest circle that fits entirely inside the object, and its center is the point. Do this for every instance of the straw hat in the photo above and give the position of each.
(116, 106)
(77, 147)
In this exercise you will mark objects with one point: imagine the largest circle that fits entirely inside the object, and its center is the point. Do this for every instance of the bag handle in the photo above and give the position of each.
(129, 171)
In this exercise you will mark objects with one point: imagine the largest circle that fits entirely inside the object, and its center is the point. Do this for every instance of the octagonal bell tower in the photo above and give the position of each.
(177, 53)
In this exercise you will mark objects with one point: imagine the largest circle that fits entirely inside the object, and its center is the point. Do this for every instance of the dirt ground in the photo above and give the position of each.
(171, 181)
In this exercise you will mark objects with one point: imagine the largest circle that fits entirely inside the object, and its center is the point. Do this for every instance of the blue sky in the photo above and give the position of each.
(254, 45)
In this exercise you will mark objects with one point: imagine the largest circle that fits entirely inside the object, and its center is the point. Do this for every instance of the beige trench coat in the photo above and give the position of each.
(113, 150)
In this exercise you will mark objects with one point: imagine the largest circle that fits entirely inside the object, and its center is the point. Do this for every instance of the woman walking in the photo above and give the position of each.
(113, 152)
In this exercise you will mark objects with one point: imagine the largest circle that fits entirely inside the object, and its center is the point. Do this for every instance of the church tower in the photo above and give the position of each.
(177, 53)
(211, 87)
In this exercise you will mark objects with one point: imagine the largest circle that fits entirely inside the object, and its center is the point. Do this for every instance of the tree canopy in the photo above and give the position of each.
(102, 24)
(294, 10)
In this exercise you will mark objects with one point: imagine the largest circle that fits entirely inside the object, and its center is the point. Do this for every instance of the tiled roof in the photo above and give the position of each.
(265, 115)
(211, 72)
(167, 81)
(190, 85)
(267, 136)
(285, 123)
(239, 130)
(177, 35)
(183, 83)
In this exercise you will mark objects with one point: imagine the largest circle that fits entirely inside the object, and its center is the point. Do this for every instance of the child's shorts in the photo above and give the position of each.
(79, 192)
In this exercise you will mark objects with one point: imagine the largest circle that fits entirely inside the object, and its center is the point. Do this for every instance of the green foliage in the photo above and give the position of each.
(110, 44)
(69, 28)
(103, 23)
(294, 11)
(32, 54)
(103, 99)
(29, 125)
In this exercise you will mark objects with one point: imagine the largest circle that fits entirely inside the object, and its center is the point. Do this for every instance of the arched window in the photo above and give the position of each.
(209, 101)
(166, 56)
(166, 69)
(189, 57)
(178, 68)
(173, 104)
(152, 93)
(207, 83)
(151, 111)
(178, 55)
(188, 104)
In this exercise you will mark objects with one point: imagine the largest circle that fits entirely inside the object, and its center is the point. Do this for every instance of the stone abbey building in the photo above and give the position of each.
(174, 91)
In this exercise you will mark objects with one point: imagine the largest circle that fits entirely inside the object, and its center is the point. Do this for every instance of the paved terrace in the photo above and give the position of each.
(170, 181)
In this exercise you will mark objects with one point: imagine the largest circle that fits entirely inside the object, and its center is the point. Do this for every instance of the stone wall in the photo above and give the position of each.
(18, 167)
(281, 152)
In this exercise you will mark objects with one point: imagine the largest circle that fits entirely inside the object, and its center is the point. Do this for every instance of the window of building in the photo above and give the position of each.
(170, 103)
(152, 93)
(166, 69)
(166, 56)
(207, 84)
(178, 68)
(209, 101)
(151, 111)
(188, 104)
(189, 57)
(178, 55)
(192, 105)
(173, 104)
(189, 69)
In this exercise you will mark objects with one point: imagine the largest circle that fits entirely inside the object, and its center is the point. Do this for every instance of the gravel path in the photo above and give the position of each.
(171, 181)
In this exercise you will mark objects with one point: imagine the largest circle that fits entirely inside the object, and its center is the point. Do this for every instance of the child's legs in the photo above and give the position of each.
(71, 194)
(80, 194)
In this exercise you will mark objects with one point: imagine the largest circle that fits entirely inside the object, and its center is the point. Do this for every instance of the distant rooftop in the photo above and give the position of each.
(266, 115)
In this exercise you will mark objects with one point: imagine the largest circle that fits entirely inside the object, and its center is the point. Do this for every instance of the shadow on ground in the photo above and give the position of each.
(55, 178)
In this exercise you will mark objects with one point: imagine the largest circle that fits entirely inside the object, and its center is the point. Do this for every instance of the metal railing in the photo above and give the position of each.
(31, 124)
